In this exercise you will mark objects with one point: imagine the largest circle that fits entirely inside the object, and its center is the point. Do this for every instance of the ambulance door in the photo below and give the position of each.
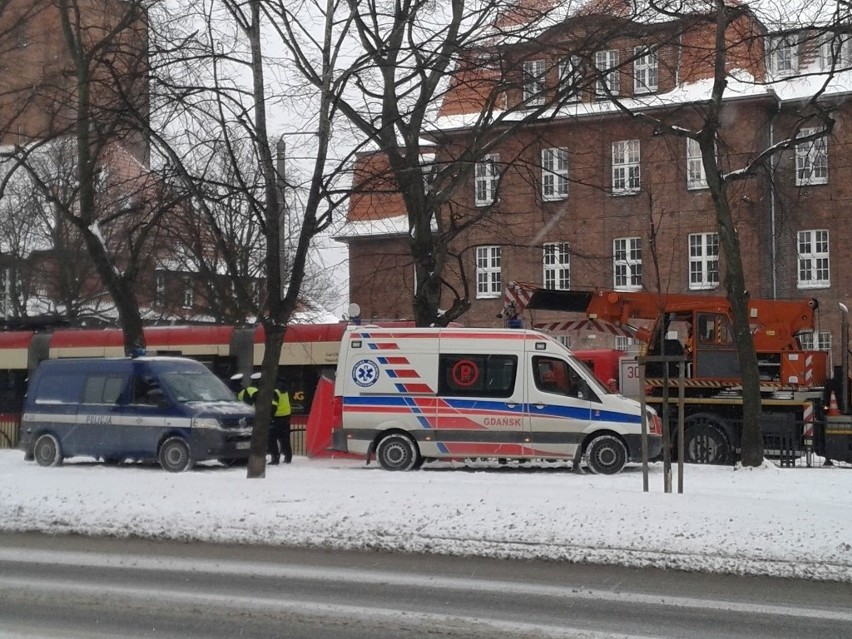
(480, 405)
(559, 406)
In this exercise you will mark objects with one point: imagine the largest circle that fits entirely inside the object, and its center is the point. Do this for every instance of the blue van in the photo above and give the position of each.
(171, 409)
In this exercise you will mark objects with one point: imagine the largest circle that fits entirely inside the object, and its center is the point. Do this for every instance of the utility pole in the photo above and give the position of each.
(283, 234)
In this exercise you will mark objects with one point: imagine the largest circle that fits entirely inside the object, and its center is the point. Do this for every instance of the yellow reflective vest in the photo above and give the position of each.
(281, 404)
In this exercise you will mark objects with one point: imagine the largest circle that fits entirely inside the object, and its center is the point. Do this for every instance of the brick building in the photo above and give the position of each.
(39, 87)
(590, 196)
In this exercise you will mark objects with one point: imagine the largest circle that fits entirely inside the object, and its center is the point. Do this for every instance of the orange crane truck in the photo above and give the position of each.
(798, 412)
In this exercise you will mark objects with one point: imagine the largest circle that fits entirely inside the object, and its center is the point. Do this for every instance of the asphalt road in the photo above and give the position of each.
(69, 587)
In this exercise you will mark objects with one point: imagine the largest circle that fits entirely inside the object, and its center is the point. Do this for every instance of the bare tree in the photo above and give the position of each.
(732, 30)
(217, 84)
(85, 100)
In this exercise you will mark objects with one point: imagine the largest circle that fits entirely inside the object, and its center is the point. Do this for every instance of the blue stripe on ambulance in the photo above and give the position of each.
(551, 410)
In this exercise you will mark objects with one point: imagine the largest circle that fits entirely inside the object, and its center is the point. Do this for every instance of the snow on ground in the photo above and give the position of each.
(786, 522)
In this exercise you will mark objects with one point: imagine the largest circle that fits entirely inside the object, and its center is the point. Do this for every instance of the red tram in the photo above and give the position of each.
(308, 349)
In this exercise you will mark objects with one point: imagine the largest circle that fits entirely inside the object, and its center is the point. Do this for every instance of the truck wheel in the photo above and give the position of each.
(397, 452)
(174, 455)
(46, 451)
(606, 455)
(705, 442)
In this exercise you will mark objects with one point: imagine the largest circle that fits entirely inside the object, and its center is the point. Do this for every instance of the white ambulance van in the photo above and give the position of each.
(409, 395)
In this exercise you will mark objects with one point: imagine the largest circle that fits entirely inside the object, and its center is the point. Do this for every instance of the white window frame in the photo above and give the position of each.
(159, 289)
(569, 71)
(696, 178)
(645, 70)
(188, 294)
(815, 340)
(703, 252)
(627, 263)
(485, 180)
(814, 259)
(534, 82)
(489, 283)
(607, 66)
(835, 51)
(554, 174)
(626, 167)
(624, 342)
(556, 265)
(784, 55)
(811, 159)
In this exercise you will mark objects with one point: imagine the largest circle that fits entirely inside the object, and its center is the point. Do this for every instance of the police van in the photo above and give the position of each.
(409, 395)
(169, 409)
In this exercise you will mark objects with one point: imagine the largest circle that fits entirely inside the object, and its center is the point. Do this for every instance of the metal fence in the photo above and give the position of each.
(10, 431)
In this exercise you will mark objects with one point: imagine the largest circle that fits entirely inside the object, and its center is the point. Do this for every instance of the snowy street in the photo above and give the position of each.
(766, 521)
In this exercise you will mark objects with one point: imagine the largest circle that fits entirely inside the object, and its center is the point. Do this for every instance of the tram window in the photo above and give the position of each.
(13, 387)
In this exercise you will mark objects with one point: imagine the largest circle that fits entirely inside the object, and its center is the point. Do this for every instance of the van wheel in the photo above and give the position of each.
(606, 455)
(46, 451)
(704, 442)
(174, 455)
(397, 452)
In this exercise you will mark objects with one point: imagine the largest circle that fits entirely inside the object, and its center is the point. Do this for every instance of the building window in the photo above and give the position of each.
(488, 279)
(624, 343)
(486, 180)
(188, 294)
(625, 167)
(703, 260)
(554, 174)
(784, 55)
(627, 263)
(813, 259)
(815, 341)
(695, 176)
(160, 289)
(607, 67)
(556, 259)
(6, 293)
(644, 70)
(534, 82)
(835, 52)
(811, 160)
(569, 79)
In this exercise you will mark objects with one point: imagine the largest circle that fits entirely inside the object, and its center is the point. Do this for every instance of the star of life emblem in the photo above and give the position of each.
(365, 373)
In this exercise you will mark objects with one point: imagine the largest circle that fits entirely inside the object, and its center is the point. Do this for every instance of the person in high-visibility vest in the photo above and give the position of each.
(279, 428)
(247, 395)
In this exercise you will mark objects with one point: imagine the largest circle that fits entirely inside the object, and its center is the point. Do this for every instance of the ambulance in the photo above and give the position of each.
(410, 395)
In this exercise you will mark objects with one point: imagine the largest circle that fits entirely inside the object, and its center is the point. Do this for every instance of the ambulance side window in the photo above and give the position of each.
(477, 375)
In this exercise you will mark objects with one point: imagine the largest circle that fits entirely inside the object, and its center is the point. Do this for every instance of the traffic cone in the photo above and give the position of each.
(833, 410)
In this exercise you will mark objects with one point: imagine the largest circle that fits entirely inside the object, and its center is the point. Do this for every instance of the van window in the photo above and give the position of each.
(554, 375)
(58, 389)
(103, 389)
(477, 375)
(192, 386)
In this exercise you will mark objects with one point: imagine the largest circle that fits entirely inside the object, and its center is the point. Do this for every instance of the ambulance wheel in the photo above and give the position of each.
(46, 451)
(606, 455)
(174, 455)
(397, 452)
(705, 442)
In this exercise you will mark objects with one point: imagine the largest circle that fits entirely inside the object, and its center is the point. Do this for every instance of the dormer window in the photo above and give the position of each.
(645, 72)
(835, 52)
(784, 55)
(607, 67)
(570, 76)
(534, 82)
